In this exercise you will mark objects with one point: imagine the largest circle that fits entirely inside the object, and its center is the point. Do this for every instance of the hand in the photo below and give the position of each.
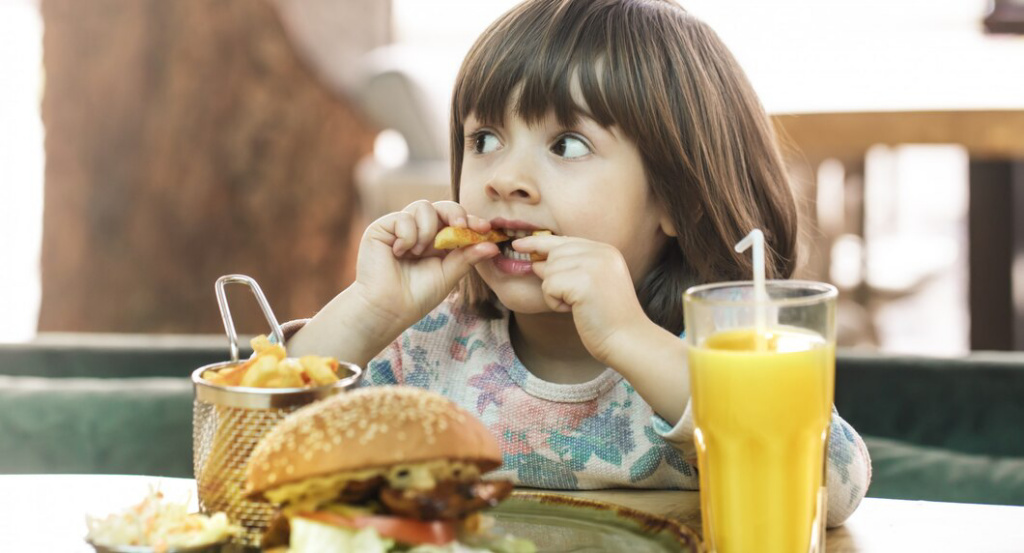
(592, 281)
(400, 275)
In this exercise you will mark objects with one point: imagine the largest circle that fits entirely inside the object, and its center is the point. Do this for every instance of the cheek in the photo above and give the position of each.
(619, 221)
(636, 235)
(471, 190)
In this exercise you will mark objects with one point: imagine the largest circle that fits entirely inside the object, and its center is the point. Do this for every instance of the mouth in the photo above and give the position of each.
(516, 229)
(513, 233)
(506, 246)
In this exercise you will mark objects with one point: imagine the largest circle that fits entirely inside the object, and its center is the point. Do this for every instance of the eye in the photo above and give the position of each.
(570, 147)
(484, 142)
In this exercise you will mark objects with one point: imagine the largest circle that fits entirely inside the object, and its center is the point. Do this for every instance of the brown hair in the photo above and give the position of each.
(667, 81)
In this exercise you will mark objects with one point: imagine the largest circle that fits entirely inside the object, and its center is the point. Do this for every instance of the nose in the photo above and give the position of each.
(513, 180)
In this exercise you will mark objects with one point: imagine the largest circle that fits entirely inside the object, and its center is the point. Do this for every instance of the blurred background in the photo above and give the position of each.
(147, 147)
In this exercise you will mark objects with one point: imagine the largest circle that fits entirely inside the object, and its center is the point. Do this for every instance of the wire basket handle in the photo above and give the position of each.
(225, 311)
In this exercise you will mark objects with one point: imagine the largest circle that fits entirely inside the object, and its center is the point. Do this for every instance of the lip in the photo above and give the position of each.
(512, 267)
(509, 224)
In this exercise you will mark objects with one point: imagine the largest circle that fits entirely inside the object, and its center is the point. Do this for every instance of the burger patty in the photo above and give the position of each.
(450, 499)
(361, 491)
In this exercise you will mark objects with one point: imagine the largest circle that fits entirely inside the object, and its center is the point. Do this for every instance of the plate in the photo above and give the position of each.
(215, 547)
(558, 523)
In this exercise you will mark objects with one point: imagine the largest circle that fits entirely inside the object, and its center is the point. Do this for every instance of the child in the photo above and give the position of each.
(627, 129)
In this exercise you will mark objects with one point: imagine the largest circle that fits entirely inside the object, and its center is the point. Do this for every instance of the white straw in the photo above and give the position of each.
(756, 239)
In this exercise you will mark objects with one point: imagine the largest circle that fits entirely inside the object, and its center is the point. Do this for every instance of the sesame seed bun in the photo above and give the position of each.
(369, 428)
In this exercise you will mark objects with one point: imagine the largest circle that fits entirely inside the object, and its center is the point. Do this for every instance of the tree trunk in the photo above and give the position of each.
(185, 139)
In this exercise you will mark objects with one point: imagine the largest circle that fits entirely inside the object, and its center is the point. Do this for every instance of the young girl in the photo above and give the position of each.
(626, 129)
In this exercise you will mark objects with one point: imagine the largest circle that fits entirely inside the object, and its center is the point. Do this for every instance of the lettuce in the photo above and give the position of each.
(309, 536)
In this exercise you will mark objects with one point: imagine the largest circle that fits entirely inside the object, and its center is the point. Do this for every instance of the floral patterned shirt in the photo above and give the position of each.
(598, 434)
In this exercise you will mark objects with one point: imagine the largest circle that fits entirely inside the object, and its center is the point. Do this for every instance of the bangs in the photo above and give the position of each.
(540, 54)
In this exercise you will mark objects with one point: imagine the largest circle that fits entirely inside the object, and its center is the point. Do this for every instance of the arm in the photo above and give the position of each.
(400, 277)
(332, 332)
(653, 360)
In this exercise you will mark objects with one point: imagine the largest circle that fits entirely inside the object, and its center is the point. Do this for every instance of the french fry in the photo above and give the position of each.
(320, 370)
(230, 376)
(262, 345)
(270, 367)
(262, 370)
(537, 256)
(450, 238)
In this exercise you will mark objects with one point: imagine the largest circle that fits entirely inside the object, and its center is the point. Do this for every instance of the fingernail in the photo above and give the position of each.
(459, 222)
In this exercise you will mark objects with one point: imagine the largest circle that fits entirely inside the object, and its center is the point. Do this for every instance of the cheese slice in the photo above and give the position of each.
(309, 494)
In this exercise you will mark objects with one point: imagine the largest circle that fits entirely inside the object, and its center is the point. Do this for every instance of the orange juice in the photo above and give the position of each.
(762, 421)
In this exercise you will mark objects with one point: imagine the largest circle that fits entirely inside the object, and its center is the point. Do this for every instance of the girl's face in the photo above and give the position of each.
(585, 181)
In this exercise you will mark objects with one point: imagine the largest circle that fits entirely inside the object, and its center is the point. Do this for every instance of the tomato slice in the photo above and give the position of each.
(405, 530)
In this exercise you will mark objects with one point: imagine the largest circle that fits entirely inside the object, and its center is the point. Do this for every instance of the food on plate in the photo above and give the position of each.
(380, 468)
(270, 367)
(159, 525)
(450, 238)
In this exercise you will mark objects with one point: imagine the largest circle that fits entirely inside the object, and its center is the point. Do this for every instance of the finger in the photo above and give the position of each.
(554, 293)
(540, 268)
(457, 263)
(405, 233)
(384, 229)
(426, 226)
(541, 244)
(560, 261)
(451, 213)
(478, 224)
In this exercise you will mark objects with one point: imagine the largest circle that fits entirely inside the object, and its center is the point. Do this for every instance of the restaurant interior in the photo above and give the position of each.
(147, 148)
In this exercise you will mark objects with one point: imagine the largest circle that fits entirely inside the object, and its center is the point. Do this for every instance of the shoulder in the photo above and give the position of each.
(446, 328)
(438, 346)
(449, 316)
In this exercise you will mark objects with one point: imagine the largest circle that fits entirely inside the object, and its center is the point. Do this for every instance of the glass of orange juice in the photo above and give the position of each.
(762, 375)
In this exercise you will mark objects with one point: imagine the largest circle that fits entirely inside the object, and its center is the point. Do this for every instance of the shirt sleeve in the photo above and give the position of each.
(679, 436)
(848, 472)
(289, 328)
(386, 368)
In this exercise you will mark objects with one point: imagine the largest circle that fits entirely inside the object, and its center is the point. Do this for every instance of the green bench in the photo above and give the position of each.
(937, 429)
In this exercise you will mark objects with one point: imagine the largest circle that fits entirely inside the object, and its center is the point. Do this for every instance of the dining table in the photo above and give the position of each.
(47, 512)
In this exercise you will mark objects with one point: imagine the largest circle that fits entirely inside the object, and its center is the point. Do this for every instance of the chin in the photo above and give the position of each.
(527, 307)
(521, 297)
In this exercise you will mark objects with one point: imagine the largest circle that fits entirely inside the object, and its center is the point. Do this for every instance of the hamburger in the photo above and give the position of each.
(380, 469)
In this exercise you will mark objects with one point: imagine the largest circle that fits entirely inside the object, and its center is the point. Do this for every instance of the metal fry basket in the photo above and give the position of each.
(228, 421)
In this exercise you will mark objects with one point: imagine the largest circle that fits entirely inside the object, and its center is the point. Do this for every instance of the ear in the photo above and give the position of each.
(666, 225)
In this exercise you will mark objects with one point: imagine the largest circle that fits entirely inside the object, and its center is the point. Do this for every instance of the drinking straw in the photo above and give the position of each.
(756, 239)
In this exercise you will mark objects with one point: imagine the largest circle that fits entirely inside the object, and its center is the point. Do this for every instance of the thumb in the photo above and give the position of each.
(458, 262)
